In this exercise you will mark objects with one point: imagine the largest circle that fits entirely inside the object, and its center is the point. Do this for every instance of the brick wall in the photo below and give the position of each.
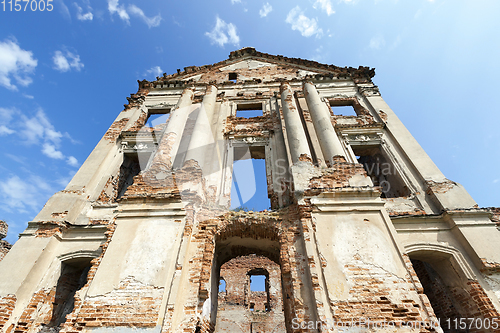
(241, 306)
(4, 245)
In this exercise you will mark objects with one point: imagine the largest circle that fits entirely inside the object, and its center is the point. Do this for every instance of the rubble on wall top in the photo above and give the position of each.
(3, 229)
(363, 73)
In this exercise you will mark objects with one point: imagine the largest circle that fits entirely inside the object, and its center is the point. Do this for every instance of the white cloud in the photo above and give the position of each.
(156, 71)
(15, 63)
(6, 115)
(20, 194)
(265, 10)
(72, 161)
(377, 42)
(326, 6)
(223, 33)
(18, 159)
(39, 129)
(235, 1)
(83, 17)
(115, 8)
(150, 21)
(51, 151)
(64, 62)
(63, 9)
(306, 26)
(4, 130)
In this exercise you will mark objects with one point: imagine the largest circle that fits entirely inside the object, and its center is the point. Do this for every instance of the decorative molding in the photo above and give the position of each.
(452, 252)
(363, 138)
(79, 254)
(369, 91)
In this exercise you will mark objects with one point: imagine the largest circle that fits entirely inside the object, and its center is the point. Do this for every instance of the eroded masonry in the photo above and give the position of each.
(362, 225)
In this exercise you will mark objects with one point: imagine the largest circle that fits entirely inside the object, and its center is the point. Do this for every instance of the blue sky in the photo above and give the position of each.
(65, 74)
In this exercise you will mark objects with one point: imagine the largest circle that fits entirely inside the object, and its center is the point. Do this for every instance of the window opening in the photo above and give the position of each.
(343, 110)
(249, 185)
(249, 110)
(258, 282)
(73, 277)
(222, 285)
(381, 171)
(445, 287)
(259, 289)
(240, 306)
(131, 167)
(157, 117)
(233, 77)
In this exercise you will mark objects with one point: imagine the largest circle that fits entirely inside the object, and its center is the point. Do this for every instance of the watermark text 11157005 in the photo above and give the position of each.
(27, 5)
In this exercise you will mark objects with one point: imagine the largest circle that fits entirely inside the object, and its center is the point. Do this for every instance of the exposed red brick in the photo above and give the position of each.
(115, 129)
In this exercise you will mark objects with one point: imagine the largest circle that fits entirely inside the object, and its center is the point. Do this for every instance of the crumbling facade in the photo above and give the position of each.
(4, 245)
(363, 229)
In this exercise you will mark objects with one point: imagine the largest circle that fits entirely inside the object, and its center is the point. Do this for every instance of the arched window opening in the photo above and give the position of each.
(446, 283)
(254, 299)
(73, 277)
(436, 290)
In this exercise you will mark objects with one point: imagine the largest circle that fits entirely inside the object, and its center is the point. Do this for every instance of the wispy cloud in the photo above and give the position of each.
(124, 13)
(6, 115)
(306, 26)
(63, 9)
(16, 64)
(377, 42)
(150, 21)
(38, 129)
(325, 5)
(51, 151)
(83, 17)
(65, 61)
(71, 160)
(265, 10)
(115, 8)
(19, 195)
(35, 130)
(156, 71)
(4, 130)
(235, 1)
(223, 33)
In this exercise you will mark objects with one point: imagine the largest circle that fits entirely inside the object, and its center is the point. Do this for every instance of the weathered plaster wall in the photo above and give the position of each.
(152, 216)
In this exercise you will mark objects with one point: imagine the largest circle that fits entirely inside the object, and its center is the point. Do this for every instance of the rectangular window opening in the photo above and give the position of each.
(249, 183)
(343, 110)
(233, 77)
(258, 282)
(157, 117)
(249, 110)
(222, 285)
(381, 171)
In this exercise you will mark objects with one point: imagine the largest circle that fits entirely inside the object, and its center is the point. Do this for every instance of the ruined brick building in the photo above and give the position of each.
(362, 225)
(4, 245)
